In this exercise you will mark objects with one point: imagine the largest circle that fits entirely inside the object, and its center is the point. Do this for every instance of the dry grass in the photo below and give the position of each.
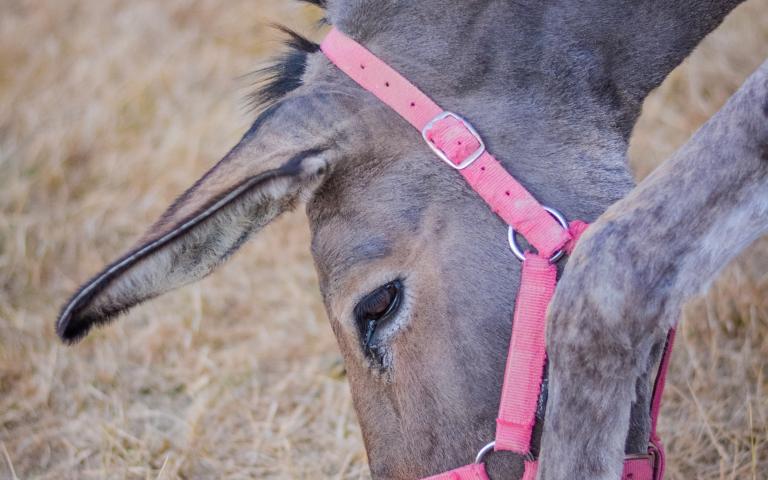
(108, 109)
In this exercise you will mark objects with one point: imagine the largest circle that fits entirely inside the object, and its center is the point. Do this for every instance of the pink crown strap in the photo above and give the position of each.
(506, 197)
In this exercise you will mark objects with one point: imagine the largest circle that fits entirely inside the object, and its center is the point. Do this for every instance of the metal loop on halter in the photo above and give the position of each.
(484, 451)
(512, 237)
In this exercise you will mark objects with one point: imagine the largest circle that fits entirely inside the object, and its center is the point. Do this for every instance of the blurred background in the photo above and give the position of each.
(108, 110)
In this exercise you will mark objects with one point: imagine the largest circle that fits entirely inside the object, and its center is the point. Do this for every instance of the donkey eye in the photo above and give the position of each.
(375, 307)
(378, 303)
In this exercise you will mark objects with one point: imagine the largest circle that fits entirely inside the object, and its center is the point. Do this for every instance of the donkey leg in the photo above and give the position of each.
(632, 271)
(639, 421)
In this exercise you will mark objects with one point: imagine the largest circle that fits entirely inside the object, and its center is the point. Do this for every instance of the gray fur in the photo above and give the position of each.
(555, 88)
(670, 236)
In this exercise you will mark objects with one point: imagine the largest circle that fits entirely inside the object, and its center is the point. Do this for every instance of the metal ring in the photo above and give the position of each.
(512, 237)
(484, 451)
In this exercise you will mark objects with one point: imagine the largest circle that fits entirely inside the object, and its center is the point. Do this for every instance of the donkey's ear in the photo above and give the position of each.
(201, 229)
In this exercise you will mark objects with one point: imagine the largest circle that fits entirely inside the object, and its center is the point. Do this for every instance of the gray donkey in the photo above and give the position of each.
(415, 271)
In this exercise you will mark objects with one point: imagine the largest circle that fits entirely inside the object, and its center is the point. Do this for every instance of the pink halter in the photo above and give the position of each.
(453, 140)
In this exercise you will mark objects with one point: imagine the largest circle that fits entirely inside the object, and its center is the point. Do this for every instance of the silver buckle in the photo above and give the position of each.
(470, 158)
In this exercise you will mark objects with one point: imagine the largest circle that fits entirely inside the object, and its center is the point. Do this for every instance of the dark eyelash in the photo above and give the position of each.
(371, 300)
(376, 299)
(368, 323)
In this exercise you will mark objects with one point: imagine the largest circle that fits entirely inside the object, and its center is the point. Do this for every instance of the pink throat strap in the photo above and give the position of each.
(453, 140)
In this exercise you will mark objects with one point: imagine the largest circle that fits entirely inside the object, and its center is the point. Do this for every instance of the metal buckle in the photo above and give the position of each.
(515, 247)
(470, 158)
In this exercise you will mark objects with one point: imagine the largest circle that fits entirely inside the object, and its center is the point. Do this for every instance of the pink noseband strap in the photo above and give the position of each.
(454, 141)
(473, 471)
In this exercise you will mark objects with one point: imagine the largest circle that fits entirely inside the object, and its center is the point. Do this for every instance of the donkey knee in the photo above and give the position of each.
(606, 306)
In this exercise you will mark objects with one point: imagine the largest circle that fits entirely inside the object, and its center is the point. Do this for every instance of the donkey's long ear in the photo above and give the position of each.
(260, 178)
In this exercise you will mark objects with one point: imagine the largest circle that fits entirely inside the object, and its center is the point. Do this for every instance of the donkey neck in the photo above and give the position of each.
(540, 105)
(531, 47)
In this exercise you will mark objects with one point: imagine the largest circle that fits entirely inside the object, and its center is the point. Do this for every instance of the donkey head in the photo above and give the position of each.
(415, 271)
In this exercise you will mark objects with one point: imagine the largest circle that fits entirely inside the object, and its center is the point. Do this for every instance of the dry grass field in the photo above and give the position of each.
(108, 110)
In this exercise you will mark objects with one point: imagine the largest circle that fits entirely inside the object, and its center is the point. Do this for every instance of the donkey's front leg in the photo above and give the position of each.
(632, 271)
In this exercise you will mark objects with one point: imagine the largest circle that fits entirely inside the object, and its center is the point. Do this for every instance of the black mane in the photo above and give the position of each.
(276, 80)
(319, 3)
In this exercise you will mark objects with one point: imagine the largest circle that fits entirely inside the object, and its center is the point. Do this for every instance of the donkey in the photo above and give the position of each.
(415, 272)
